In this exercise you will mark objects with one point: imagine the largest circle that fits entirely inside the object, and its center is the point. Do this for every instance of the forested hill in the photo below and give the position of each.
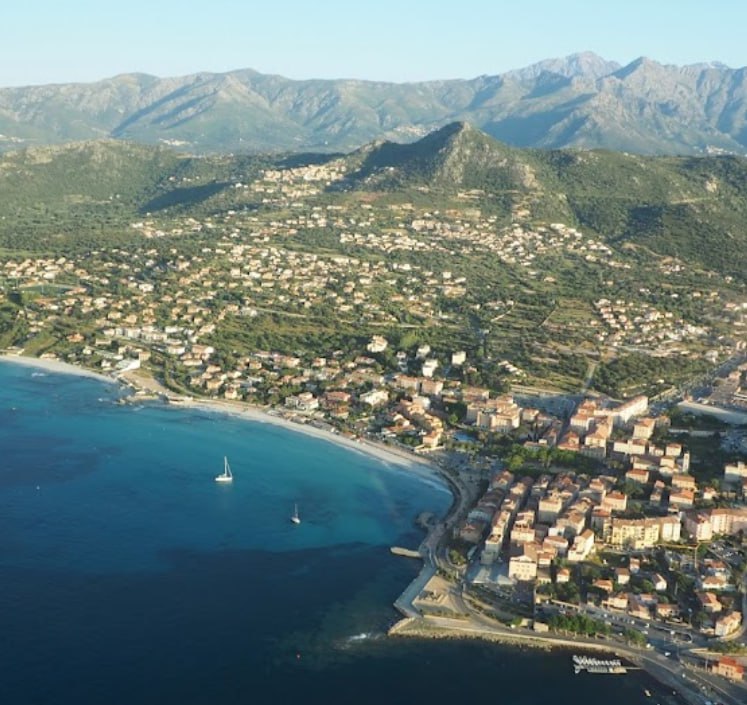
(685, 207)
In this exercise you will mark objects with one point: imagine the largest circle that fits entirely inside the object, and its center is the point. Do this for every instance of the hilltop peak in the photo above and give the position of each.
(457, 155)
(452, 132)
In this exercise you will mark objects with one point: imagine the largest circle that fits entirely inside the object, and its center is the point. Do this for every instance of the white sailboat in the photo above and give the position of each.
(226, 475)
(295, 518)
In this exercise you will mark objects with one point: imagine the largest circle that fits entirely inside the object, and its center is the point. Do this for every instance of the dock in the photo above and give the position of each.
(406, 552)
(598, 665)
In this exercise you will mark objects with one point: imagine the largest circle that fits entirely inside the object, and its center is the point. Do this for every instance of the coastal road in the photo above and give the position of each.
(431, 546)
(691, 685)
(695, 685)
(665, 670)
(464, 497)
(717, 688)
(666, 641)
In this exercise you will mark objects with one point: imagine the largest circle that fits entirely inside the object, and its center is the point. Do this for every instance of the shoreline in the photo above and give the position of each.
(248, 412)
(56, 366)
(422, 628)
(426, 468)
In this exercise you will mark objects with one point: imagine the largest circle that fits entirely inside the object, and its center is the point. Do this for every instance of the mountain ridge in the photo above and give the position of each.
(581, 101)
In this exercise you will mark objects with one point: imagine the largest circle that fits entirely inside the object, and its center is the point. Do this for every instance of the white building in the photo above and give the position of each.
(458, 358)
(735, 472)
(375, 397)
(429, 367)
(378, 344)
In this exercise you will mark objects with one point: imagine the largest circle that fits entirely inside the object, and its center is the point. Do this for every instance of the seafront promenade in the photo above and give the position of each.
(662, 669)
(690, 684)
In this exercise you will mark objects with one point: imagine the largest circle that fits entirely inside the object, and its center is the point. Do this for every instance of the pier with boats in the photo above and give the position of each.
(591, 664)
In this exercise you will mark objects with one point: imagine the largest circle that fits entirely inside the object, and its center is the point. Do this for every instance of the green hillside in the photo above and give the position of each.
(691, 208)
(560, 263)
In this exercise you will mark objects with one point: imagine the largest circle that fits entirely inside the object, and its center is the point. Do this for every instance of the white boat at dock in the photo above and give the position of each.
(596, 665)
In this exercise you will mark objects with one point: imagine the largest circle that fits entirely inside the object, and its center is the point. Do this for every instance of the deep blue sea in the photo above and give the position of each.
(128, 576)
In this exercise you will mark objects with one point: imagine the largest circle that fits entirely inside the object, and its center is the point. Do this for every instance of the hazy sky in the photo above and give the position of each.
(53, 41)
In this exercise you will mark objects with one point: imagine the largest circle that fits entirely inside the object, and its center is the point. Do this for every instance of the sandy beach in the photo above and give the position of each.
(56, 366)
(261, 415)
(386, 454)
(142, 380)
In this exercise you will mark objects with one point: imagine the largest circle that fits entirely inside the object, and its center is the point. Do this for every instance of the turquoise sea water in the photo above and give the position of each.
(127, 575)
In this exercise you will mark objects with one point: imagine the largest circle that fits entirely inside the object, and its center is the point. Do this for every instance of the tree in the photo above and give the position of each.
(632, 489)
(456, 557)
(456, 412)
(545, 455)
(635, 637)
(568, 592)
(700, 619)
(647, 586)
(515, 461)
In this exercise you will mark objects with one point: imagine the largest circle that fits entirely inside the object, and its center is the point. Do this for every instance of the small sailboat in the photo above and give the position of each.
(226, 475)
(295, 518)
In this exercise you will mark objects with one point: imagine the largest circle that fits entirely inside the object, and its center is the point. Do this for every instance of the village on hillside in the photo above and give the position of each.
(628, 508)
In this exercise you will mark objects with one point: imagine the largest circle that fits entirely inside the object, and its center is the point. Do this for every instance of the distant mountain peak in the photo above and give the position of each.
(581, 100)
(583, 64)
(640, 65)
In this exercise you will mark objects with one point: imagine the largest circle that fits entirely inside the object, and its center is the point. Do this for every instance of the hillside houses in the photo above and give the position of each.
(293, 300)
(501, 414)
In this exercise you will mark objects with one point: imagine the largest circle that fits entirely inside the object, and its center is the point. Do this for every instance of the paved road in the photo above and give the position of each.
(665, 670)
(430, 549)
